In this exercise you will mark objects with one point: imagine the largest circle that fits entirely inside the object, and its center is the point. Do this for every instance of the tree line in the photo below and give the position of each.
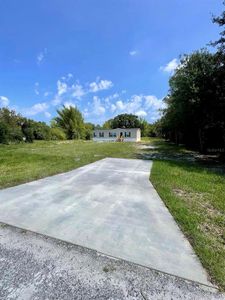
(69, 124)
(195, 113)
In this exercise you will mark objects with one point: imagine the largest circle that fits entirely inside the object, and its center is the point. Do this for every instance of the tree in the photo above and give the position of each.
(57, 134)
(28, 131)
(41, 131)
(220, 43)
(71, 121)
(89, 127)
(195, 109)
(125, 121)
(4, 133)
(144, 125)
(107, 124)
(12, 122)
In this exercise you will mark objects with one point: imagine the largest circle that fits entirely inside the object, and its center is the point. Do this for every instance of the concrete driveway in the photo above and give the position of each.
(109, 206)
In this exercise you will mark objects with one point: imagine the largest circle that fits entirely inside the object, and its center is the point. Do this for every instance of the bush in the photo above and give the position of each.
(57, 134)
(16, 134)
(28, 131)
(4, 133)
(41, 131)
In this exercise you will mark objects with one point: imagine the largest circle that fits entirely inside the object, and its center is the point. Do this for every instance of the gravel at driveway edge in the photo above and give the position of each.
(34, 266)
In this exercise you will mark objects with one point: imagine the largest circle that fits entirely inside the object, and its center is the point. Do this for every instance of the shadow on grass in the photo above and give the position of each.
(165, 151)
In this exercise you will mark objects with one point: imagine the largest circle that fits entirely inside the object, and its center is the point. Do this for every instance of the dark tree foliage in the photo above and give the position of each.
(195, 113)
(4, 133)
(12, 121)
(125, 121)
(89, 127)
(220, 43)
(41, 131)
(131, 121)
(28, 131)
(15, 128)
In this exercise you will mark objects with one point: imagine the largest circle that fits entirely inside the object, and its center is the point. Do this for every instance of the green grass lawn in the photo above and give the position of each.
(192, 189)
(194, 192)
(26, 162)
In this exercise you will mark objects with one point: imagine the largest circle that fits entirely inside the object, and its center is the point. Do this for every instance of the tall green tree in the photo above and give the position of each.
(220, 43)
(195, 109)
(12, 122)
(125, 121)
(144, 125)
(71, 121)
(107, 124)
(89, 127)
(4, 133)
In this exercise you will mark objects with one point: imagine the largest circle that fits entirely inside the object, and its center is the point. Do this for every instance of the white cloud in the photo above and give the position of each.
(69, 104)
(36, 109)
(100, 85)
(120, 105)
(141, 113)
(47, 114)
(4, 101)
(140, 105)
(152, 101)
(77, 91)
(171, 66)
(66, 91)
(61, 87)
(113, 107)
(111, 97)
(98, 108)
(133, 52)
(41, 55)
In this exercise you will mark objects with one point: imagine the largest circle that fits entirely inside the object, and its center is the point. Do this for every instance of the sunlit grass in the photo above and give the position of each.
(193, 191)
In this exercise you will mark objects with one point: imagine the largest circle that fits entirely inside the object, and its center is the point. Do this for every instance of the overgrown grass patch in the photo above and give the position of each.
(195, 197)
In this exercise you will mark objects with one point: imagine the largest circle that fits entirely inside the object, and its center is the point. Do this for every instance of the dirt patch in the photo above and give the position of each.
(202, 206)
(200, 200)
(213, 230)
(189, 195)
(211, 211)
(151, 147)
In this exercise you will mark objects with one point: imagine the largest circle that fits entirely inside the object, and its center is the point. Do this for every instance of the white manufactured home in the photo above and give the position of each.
(118, 134)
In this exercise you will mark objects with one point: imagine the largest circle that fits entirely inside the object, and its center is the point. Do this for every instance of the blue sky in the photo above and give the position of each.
(105, 57)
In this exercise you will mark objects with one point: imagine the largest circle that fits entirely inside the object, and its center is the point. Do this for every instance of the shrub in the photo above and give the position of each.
(28, 131)
(4, 133)
(16, 134)
(57, 134)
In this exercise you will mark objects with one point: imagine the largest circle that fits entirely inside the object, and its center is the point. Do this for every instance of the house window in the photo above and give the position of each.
(101, 134)
(114, 134)
(95, 134)
(127, 134)
(110, 134)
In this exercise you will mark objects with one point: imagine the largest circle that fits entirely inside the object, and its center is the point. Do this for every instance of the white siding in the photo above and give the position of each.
(129, 134)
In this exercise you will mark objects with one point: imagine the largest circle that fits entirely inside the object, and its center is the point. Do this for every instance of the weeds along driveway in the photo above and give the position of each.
(109, 206)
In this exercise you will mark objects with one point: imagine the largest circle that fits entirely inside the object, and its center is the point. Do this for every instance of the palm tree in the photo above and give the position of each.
(71, 121)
